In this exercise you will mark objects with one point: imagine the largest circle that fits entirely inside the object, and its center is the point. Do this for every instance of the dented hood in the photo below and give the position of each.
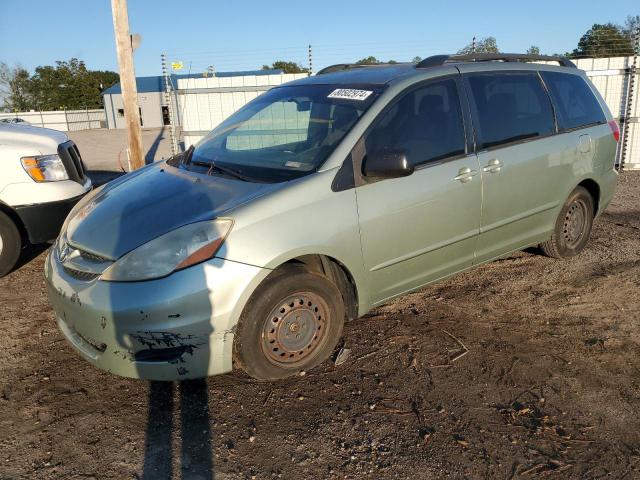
(150, 202)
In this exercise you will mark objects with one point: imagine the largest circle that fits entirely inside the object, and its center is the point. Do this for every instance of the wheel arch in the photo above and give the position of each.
(15, 218)
(594, 190)
(336, 271)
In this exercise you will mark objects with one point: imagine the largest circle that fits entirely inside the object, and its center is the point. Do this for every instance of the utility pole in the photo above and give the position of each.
(310, 61)
(124, 50)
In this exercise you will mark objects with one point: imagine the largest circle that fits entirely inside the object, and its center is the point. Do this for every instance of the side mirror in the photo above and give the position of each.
(387, 164)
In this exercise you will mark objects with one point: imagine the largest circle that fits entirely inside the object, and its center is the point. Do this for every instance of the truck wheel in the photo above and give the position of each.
(292, 322)
(9, 244)
(573, 226)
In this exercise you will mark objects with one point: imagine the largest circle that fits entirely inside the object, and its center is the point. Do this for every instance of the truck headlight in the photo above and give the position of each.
(45, 168)
(178, 249)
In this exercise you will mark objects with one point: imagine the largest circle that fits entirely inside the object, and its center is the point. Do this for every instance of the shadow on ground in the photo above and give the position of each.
(196, 459)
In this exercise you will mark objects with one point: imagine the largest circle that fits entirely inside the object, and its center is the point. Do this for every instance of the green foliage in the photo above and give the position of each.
(416, 59)
(632, 25)
(484, 45)
(67, 85)
(606, 40)
(371, 60)
(533, 50)
(14, 85)
(286, 67)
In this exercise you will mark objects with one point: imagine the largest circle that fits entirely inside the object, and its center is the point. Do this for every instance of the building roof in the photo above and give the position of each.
(156, 83)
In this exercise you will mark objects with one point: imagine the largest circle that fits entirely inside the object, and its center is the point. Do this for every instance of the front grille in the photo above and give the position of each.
(79, 275)
(70, 156)
(79, 264)
(92, 257)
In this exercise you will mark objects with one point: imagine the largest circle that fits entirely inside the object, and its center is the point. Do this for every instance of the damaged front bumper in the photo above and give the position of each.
(173, 328)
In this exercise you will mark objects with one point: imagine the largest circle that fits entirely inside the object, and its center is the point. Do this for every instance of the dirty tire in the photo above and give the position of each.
(573, 226)
(9, 244)
(292, 322)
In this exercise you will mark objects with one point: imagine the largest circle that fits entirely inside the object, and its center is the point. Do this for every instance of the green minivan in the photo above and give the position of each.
(324, 198)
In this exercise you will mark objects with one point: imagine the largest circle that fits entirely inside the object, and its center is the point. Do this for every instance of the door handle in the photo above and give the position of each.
(493, 166)
(465, 175)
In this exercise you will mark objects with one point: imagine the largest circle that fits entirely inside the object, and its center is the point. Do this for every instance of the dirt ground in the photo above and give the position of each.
(527, 367)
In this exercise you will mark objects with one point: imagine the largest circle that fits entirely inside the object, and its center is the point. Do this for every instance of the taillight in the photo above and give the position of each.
(615, 129)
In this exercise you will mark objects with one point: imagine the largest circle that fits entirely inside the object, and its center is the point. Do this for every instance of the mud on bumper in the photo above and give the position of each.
(178, 327)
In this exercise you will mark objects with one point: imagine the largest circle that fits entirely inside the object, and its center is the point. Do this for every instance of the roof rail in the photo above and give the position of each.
(437, 60)
(338, 67)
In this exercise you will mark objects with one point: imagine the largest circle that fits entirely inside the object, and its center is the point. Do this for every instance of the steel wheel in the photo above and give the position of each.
(292, 322)
(295, 329)
(574, 223)
(573, 226)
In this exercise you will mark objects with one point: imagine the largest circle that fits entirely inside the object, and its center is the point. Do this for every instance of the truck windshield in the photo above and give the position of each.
(286, 133)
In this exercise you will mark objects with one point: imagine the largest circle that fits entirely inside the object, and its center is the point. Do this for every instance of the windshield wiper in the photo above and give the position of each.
(225, 170)
(186, 156)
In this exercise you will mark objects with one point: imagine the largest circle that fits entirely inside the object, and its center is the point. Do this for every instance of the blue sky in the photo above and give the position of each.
(245, 34)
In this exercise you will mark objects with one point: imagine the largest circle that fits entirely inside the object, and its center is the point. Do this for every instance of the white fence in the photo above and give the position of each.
(63, 120)
(612, 77)
(204, 102)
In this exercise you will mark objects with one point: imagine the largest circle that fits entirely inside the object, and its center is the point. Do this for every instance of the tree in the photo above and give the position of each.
(484, 45)
(631, 25)
(286, 67)
(606, 40)
(370, 60)
(67, 85)
(416, 59)
(14, 88)
(533, 50)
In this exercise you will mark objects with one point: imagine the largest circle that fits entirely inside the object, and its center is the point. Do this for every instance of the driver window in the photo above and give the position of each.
(426, 123)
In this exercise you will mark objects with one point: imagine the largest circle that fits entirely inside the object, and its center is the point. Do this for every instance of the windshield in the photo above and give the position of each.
(284, 134)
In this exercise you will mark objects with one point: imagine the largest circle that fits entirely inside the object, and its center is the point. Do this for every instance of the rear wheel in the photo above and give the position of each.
(9, 244)
(292, 322)
(573, 226)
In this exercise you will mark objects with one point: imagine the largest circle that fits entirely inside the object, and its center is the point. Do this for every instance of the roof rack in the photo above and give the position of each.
(438, 60)
(338, 67)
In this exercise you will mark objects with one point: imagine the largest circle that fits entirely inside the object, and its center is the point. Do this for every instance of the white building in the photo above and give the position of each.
(154, 112)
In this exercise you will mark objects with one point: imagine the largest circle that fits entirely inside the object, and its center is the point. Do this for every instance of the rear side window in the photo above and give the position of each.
(575, 103)
(425, 122)
(510, 107)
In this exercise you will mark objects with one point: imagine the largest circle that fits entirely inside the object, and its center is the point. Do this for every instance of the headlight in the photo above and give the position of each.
(45, 168)
(172, 251)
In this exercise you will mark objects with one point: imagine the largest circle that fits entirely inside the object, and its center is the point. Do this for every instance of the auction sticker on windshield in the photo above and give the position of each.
(350, 94)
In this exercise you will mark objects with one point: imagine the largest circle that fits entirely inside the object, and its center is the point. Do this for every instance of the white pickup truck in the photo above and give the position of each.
(41, 178)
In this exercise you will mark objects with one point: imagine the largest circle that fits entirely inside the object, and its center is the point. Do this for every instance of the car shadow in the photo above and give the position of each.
(28, 253)
(196, 460)
(178, 432)
(100, 177)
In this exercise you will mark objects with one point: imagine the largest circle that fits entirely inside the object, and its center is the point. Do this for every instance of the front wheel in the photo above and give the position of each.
(10, 244)
(292, 322)
(573, 226)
